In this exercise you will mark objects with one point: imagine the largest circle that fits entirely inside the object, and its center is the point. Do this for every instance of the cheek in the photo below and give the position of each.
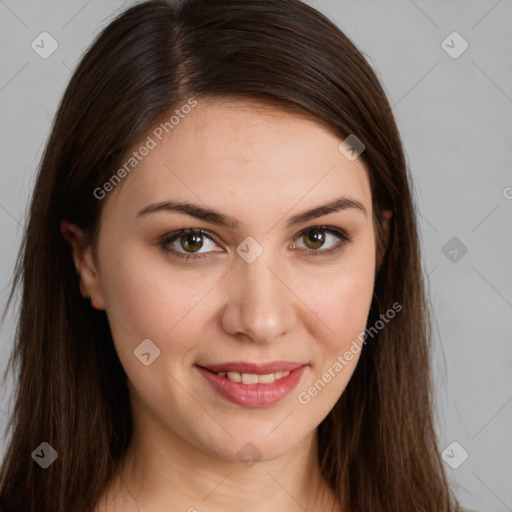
(341, 300)
(346, 309)
(342, 297)
(147, 298)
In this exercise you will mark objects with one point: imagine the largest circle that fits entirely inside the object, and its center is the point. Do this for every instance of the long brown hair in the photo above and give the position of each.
(377, 448)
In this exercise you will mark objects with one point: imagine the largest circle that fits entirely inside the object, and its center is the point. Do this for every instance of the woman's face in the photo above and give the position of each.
(257, 289)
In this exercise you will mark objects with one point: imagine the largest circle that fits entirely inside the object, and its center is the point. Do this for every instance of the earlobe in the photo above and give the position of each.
(81, 251)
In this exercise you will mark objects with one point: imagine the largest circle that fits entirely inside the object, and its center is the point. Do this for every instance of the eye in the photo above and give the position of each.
(316, 237)
(187, 243)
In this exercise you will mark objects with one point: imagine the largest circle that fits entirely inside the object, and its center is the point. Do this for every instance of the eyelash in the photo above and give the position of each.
(171, 237)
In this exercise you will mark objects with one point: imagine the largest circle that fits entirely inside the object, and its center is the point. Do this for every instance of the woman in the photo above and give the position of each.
(222, 302)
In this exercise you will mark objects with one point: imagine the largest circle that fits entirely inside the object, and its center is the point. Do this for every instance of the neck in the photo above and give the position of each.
(166, 473)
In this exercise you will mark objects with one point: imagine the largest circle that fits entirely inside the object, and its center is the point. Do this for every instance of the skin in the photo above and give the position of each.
(261, 167)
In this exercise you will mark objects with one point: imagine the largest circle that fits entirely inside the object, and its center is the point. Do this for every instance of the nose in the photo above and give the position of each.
(260, 305)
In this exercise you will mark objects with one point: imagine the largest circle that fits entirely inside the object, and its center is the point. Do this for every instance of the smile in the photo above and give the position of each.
(253, 388)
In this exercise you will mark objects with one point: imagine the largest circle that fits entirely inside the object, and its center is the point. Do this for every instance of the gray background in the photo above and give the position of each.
(455, 119)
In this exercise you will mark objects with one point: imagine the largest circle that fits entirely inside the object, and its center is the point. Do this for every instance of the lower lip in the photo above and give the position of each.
(253, 395)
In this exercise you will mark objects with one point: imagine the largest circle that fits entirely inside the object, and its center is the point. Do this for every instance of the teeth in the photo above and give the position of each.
(251, 378)
(266, 379)
(234, 376)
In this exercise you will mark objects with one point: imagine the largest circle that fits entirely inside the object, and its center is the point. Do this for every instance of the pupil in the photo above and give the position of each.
(317, 238)
(188, 241)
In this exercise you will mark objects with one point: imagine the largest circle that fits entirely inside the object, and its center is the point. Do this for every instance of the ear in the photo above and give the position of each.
(84, 262)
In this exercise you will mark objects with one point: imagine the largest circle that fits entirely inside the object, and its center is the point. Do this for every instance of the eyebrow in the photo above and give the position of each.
(206, 214)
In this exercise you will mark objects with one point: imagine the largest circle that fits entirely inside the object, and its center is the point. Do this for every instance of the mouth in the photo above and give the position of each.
(251, 384)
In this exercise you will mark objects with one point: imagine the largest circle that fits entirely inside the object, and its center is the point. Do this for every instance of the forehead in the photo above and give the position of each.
(240, 156)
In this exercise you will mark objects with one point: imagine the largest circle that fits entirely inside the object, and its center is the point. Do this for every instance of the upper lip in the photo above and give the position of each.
(254, 368)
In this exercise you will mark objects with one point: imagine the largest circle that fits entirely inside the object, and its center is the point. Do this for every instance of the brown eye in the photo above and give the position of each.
(188, 243)
(321, 240)
(314, 239)
(191, 242)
